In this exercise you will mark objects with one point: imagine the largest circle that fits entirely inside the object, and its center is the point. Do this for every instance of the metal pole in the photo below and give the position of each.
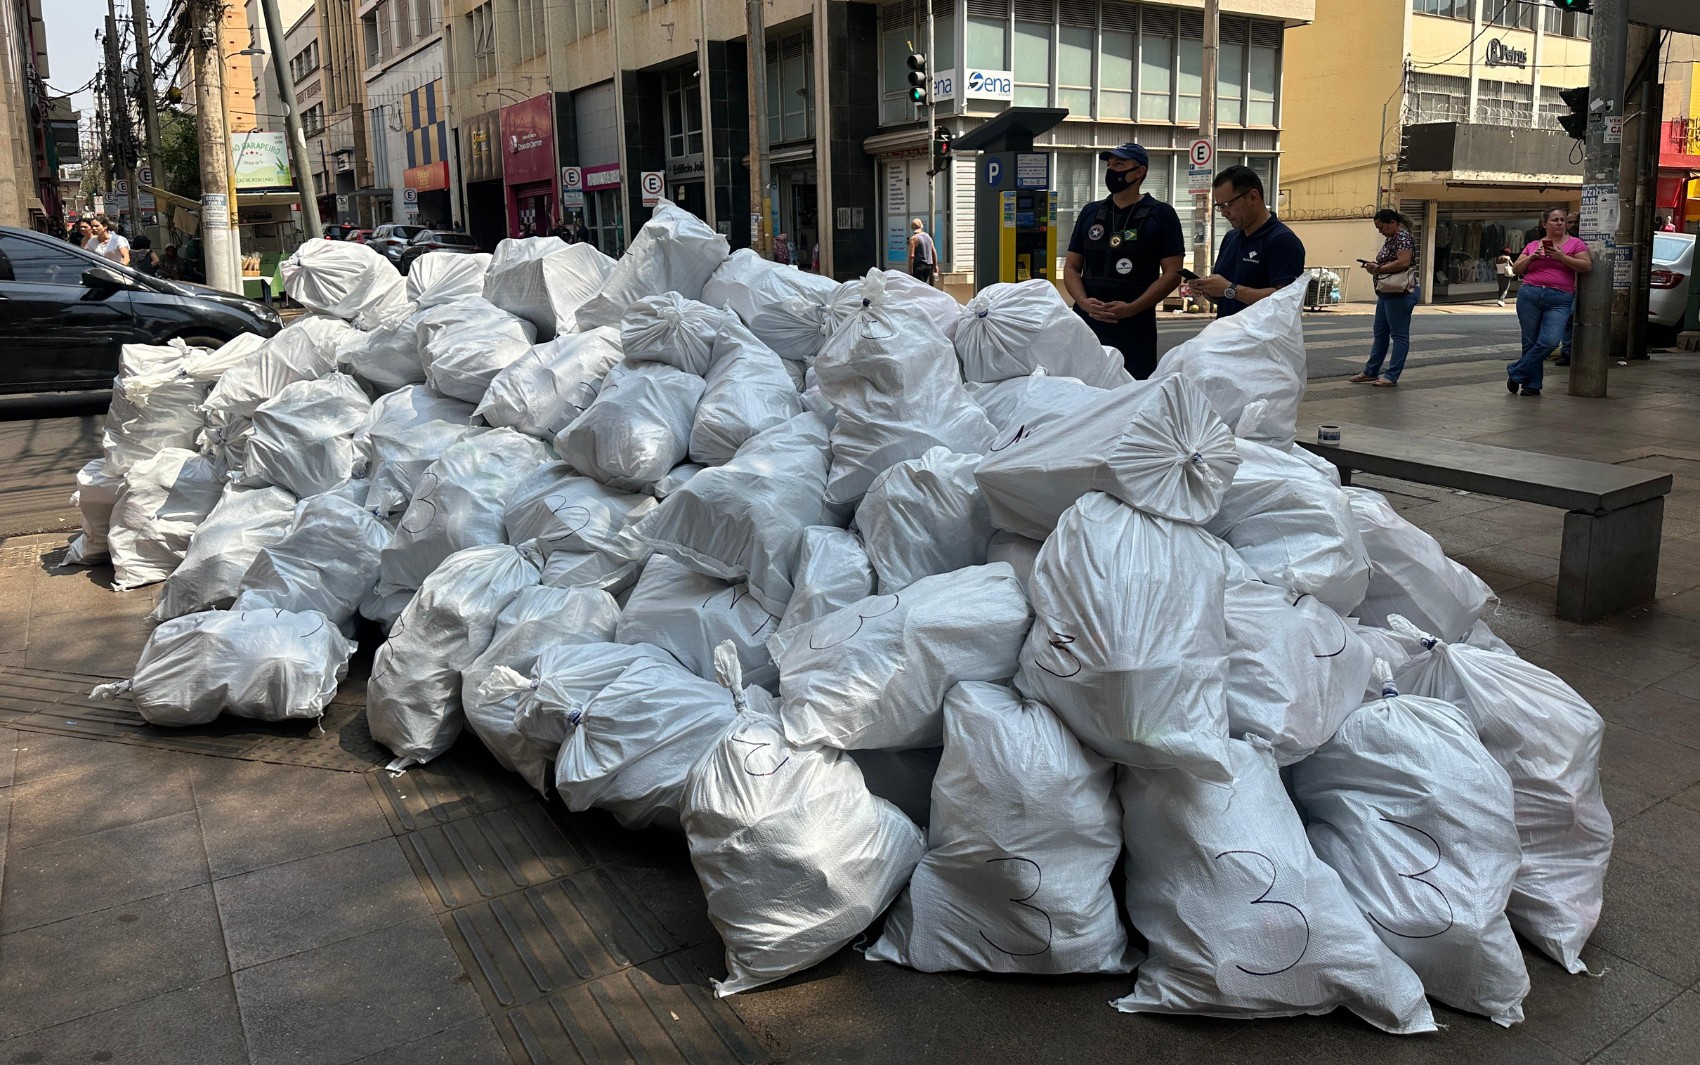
(144, 73)
(932, 135)
(224, 269)
(120, 106)
(620, 125)
(761, 171)
(1646, 182)
(825, 221)
(1203, 227)
(1600, 195)
(706, 102)
(291, 117)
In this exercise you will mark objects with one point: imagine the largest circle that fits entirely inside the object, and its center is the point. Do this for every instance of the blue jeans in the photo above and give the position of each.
(1392, 324)
(1542, 313)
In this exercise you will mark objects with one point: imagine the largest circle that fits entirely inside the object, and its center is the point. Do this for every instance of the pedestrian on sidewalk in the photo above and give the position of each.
(923, 254)
(1259, 257)
(1549, 268)
(103, 241)
(1503, 273)
(1395, 277)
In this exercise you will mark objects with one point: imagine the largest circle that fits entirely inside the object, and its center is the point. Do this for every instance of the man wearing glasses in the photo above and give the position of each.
(1260, 256)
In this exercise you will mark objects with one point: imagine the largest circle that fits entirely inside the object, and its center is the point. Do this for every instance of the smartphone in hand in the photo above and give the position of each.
(1188, 275)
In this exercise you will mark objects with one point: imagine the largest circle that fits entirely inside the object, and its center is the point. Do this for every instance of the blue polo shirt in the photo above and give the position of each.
(1272, 257)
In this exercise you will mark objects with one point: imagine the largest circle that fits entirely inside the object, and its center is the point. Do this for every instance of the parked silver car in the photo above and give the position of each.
(1673, 266)
(390, 239)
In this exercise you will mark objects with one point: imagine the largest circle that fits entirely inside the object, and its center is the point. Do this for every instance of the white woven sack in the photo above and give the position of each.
(748, 392)
(1480, 635)
(924, 516)
(305, 350)
(163, 501)
(582, 526)
(244, 521)
(268, 665)
(690, 614)
(938, 306)
(341, 278)
(832, 571)
(1410, 574)
(1548, 739)
(638, 427)
(1020, 553)
(1031, 401)
(675, 251)
(1156, 446)
(1243, 919)
(1296, 669)
(1255, 354)
(553, 693)
(545, 281)
(439, 277)
(155, 405)
(1011, 329)
(413, 703)
(794, 855)
(1293, 528)
(1024, 833)
(784, 306)
(743, 521)
(1129, 645)
(537, 619)
(632, 746)
(892, 378)
(669, 328)
(463, 346)
(875, 673)
(1416, 818)
(386, 357)
(676, 478)
(546, 389)
(326, 561)
(406, 431)
(97, 490)
(304, 438)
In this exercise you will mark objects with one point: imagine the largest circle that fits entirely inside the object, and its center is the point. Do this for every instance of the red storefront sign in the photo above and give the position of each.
(606, 176)
(528, 141)
(427, 178)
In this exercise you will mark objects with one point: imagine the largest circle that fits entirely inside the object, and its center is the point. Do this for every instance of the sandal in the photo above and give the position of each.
(1360, 378)
(1385, 382)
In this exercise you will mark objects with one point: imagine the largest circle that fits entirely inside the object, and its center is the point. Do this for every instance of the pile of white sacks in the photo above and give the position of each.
(891, 606)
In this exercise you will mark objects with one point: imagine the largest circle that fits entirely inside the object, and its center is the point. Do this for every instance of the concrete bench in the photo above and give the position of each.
(1609, 560)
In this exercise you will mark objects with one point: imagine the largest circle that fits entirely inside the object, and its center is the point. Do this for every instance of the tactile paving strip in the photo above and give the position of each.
(570, 963)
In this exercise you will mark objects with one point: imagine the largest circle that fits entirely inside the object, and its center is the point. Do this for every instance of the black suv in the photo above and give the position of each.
(66, 312)
(427, 241)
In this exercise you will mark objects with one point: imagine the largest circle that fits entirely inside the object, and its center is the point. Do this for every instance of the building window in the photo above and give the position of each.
(313, 120)
(1115, 75)
(790, 89)
(305, 62)
(683, 104)
(482, 24)
(373, 41)
(1156, 72)
(1437, 98)
(1459, 9)
(1511, 14)
(1504, 103)
(894, 51)
(531, 29)
(988, 43)
(1190, 80)
(1033, 64)
(1262, 80)
(1230, 74)
(1567, 23)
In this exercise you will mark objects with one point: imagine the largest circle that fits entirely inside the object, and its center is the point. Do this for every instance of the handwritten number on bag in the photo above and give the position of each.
(1060, 643)
(1418, 878)
(737, 594)
(1038, 880)
(1345, 636)
(1021, 434)
(1265, 900)
(755, 749)
(878, 607)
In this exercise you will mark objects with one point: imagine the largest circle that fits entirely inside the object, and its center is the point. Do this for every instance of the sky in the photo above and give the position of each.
(73, 54)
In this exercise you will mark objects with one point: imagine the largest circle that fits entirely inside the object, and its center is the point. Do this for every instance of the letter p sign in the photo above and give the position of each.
(994, 172)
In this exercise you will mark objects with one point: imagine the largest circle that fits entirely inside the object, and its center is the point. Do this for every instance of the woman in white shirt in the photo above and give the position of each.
(107, 243)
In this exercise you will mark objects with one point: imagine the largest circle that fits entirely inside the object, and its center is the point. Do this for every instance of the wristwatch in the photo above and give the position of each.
(1229, 292)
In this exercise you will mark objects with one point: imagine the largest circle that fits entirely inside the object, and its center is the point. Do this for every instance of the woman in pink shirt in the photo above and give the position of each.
(1549, 268)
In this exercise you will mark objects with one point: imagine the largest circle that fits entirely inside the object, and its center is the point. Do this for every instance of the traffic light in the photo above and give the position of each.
(917, 79)
(941, 149)
(1576, 122)
(1582, 7)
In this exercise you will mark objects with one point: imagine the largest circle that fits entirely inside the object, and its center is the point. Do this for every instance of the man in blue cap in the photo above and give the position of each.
(1124, 257)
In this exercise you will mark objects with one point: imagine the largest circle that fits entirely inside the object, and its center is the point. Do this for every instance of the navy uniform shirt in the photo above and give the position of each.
(1272, 257)
(1160, 236)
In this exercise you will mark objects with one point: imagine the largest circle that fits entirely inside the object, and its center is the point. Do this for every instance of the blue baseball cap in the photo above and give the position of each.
(1129, 150)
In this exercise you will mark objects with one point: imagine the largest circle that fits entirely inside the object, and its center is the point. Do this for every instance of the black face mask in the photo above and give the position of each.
(1117, 180)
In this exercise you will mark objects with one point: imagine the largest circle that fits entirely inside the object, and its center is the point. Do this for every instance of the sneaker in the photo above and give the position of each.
(1501, 303)
(1527, 391)
(1360, 378)
(1385, 382)
(1511, 386)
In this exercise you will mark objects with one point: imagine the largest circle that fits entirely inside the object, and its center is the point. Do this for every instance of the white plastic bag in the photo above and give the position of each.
(413, 703)
(875, 673)
(748, 392)
(638, 427)
(832, 571)
(537, 619)
(1031, 401)
(155, 405)
(1242, 918)
(1548, 739)
(244, 521)
(784, 306)
(439, 277)
(268, 665)
(1410, 574)
(794, 855)
(552, 695)
(305, 350)
(327, 561)
(669, 328)
(892, 378)
(1153, 445)
(1293, 528)
(1020, 553)
(924, 516)
(743, 521)
(545, 281)
(1129, 645)
(1416, 818)
(546, 389)
(386, 357)
(582, 526)
(163, 501)
(1011, 329)
(97, 491)
(1256, 354)
(689, 615)
(406, 431)
(675, 251)
(341, 278)
(304, 438)
(463, 346)
(1024, 833)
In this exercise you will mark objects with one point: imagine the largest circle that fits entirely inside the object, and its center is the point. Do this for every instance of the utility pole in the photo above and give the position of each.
(218, 239)
(825, 217)
(1203, 207)
(119, 105)
(932, 139)
(144, 75)
(1635, 222)
(761, 173)
(291, 117)
(1600, 200)
(706, 102)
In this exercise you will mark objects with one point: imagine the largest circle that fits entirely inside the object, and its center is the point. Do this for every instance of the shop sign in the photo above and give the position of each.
(685, 168)
(528, 141)
(606, 176)
(427, 178)
(973, 83)
(483, 133)
(262, 160)
(1500, 54)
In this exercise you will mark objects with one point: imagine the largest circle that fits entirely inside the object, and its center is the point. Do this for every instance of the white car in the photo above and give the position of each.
(1673, 265)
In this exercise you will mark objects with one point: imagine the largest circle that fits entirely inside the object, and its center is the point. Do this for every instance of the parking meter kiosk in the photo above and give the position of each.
(1015, 206)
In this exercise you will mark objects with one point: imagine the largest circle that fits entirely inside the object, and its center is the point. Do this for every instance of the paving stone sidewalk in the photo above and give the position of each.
(239, 893)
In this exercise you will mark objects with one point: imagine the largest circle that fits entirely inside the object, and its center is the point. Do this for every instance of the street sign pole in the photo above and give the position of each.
(1600, 199)
(1202, 209)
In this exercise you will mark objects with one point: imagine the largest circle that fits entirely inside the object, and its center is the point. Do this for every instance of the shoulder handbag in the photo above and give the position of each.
(1397, 284)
